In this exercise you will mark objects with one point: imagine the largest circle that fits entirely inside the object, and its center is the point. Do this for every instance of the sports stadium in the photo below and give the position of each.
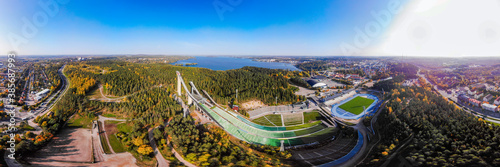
(355, 107)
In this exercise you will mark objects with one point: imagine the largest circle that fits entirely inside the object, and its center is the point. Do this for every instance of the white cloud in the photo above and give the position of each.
(447, 28)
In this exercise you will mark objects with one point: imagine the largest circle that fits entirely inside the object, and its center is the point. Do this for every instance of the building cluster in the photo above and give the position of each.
(482, 104)
(371, 67)
(411, 82)
(40, 95)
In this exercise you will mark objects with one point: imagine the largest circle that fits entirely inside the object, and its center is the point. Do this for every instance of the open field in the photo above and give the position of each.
(124, 127)
(80, 122)
(111, 131)
(264, 120)
(70, 145)
(310, 130)
(306, 125)
(293, 119)
(355, 106)
(312, 116)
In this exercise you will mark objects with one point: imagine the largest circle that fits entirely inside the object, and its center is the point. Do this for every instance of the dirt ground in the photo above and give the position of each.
(121, 159)
(304, 91)
(369, 84)
(252, 104)
(70, 145)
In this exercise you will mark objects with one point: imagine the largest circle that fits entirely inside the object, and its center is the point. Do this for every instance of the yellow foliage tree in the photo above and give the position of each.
(145, 149)
(138, 141)
(385, 153)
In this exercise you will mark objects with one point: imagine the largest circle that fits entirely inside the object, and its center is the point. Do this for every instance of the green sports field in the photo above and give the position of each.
(355, 106)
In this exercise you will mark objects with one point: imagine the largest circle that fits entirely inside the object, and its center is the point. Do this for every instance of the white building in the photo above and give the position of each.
(490, 107)
(497, 101)
(316, 84)
(407, 83)
(41, 94)
(477, 95)
(487, 97)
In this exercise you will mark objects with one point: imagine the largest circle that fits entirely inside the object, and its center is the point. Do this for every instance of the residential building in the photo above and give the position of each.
(489, 107)
(407, 83)
(497, 101)
(478, 95)
(487, 98)
(463, 98)
(475, 102)
(472, 92)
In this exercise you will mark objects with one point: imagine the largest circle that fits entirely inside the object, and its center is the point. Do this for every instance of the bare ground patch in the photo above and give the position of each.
(252, 104)
(70, 145)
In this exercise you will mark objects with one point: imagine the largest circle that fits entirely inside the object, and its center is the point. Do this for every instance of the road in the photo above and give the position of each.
(96, 142)
(46, 107)
(162, 162)
(13, 162)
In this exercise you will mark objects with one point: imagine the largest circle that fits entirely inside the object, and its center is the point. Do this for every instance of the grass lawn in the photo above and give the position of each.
(274, 118)
(124, 127)
(493, 123)
(312, 116)
(292, 122)
(355, 106)
(94, 93)
(27, 127)
(306, 125)
(115, 143)
(310, 130)
(80, 121)
(109, 115)
(111, 130)
(325, 134)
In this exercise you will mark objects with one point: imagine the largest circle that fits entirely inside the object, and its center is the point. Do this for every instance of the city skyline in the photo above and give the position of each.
(327, 28)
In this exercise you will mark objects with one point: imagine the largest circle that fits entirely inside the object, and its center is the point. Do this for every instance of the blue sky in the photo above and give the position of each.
(186, 27)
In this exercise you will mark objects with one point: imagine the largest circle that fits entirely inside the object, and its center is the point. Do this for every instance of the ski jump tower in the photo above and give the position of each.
(193, 96)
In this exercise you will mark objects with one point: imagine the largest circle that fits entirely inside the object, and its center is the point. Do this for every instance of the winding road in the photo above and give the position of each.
(161, 160)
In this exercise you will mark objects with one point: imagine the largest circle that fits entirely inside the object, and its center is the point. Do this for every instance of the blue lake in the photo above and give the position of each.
(228, 63)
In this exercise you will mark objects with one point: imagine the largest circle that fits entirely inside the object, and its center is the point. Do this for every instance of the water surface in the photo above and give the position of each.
(228, 63)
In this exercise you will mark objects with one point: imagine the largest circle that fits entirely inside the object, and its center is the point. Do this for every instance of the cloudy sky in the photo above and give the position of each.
(222, 27)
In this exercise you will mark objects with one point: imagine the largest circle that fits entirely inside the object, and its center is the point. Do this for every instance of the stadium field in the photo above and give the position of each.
(355, 106)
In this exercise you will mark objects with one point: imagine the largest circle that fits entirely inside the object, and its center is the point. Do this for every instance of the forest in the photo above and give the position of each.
(438, 132)
(209, 145)
(149, 102)
(123, 78)
(313, 65)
